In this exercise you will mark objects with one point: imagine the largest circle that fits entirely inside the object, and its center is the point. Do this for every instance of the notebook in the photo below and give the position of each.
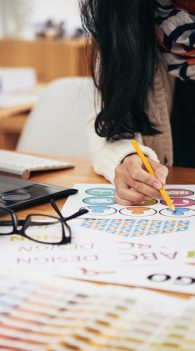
(17, 194)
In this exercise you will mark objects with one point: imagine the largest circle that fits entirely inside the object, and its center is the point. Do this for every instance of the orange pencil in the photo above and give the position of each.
(146, 163)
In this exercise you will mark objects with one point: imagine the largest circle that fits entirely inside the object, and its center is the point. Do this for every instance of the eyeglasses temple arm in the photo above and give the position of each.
(79, 213)
(75, 215)
(52, 202)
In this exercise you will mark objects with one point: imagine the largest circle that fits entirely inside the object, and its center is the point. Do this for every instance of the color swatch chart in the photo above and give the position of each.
(149, 218)
(100, 202)
(39, 314)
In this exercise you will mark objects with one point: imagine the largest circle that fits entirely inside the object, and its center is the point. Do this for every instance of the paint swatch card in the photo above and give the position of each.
(49, 314)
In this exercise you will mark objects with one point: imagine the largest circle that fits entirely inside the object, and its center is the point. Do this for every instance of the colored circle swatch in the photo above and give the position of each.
(101, 192)
(136, 211)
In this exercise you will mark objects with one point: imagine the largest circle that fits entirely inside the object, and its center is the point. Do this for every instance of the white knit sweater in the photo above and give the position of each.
(106, 156)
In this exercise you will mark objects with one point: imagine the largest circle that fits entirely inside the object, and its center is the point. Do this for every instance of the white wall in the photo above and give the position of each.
(57, 9)
(35, 11)
(2, 18)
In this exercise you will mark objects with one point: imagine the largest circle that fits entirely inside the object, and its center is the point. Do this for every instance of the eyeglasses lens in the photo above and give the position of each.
(6, 223)
(44, 229)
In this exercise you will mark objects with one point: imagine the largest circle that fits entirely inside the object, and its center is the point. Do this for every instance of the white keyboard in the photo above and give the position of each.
(23, 165)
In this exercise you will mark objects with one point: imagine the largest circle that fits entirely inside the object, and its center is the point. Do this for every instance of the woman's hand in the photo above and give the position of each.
(134, 184)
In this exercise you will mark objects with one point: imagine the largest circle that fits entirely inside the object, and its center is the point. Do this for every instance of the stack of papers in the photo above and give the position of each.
(47, 301)
(155, 251)
(155, 247)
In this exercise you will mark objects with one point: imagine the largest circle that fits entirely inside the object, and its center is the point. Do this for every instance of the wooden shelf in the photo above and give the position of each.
(51, 59)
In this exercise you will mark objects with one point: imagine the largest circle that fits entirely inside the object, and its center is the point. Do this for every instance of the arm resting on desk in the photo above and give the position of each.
(106, 156)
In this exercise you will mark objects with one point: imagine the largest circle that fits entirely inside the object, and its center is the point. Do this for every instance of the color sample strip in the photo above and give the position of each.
(38, 315)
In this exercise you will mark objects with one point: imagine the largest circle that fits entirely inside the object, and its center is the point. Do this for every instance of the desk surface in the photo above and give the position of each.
(83, 173)
(12, 111)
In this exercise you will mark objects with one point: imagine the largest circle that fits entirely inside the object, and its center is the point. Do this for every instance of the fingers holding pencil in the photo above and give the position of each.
(161, 171)
(133, 182)
(150, 169)
(140, 180)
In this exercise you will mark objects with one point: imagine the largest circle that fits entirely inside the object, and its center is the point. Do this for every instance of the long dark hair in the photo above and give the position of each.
(124, 63)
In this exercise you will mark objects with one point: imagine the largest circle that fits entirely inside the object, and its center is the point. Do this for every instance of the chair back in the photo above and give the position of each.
(57, 124)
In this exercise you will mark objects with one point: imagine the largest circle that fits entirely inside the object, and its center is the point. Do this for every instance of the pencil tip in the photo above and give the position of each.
(173, 208)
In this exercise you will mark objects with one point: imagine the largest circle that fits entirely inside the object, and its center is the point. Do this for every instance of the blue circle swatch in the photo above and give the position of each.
(101, 192)
(97, 201)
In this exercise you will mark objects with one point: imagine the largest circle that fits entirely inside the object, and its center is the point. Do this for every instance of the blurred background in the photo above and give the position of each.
(24, 18)
(40, 41)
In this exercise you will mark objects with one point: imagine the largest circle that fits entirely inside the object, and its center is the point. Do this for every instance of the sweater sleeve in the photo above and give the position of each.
(107, 155)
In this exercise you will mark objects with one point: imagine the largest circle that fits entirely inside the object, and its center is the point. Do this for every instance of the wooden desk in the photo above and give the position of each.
(83, 173)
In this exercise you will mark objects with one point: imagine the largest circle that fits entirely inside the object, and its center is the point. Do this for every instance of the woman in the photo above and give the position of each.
(144, 70)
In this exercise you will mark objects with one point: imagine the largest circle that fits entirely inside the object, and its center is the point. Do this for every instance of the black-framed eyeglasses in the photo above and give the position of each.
(57, 230)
